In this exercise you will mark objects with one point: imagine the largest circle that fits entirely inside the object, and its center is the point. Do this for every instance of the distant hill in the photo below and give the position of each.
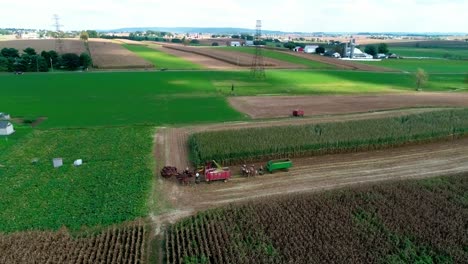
(199, 30)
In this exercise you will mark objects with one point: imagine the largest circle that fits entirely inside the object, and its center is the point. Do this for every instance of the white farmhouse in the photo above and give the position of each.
(6, 128)
(235, 44)
(310, 48)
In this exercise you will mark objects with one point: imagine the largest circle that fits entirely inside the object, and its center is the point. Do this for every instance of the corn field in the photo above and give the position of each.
(421, 221)
(118, 244)
(255, 144)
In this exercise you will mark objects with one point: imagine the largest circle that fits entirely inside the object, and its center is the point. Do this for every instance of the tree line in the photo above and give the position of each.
(30, 61)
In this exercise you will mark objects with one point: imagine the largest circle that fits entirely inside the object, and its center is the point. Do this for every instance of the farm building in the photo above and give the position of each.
(235, 44)
(357, 54)
(249, 43)
(4, 116)
(332, 53)
(310, 48)
(298, 49)
(6, 128)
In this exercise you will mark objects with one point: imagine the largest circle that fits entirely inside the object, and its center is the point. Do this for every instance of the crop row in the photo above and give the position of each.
(120, 244)
(245, 145)
(405, 222)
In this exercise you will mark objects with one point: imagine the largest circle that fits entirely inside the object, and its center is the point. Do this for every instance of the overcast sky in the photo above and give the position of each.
(285, 15)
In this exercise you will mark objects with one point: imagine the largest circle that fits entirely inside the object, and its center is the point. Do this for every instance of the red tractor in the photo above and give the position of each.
(298, 113)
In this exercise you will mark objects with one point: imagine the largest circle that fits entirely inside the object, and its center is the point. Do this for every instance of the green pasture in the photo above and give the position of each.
(112, 186)
(161, 60)
(429, 65)
(282, 57)
(7, 142)
(179, 97)
(446, 53)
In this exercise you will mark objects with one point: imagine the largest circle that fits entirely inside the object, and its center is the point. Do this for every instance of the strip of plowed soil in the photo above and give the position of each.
(206, 62)
(239, 59)
(281, 106)
(308, 174)
(109, 55)
(341, 64)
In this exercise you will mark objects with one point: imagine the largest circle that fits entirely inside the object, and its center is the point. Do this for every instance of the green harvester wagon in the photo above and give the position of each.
(281, 164)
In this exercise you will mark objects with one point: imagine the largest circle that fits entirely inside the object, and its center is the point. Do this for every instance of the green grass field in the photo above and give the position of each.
(7, 142)
(172, 97)
(112, 185)
(283, 57)
(161, 59)
(448, 53)
(429, 65)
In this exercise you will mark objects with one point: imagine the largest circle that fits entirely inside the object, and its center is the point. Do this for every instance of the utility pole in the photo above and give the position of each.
(257, 70)
(51, 65)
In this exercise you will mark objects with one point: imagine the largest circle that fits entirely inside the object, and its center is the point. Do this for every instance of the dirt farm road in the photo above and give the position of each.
(308, 174)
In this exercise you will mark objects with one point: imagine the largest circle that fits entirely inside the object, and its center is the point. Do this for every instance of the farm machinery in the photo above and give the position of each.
(271, 166)
(211, 171)
(298, 113)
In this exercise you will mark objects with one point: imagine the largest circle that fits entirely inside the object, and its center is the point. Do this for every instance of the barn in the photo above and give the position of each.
(6, 128)
(310, 48)
(298, 49)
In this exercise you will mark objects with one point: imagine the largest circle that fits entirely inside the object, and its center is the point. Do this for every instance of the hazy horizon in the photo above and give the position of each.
(413, 16)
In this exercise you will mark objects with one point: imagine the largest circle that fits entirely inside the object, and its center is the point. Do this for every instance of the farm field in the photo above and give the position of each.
(341, 64)
(21, 131)
(385, 223)
(161, 59)
(124, 243)
(70, 45)
(429, 65)
(442, 53)
(174, 97)
(281, 56)
(233, 147)
(204, 61)
(235, 58)
(117, 165)
(281, 106)
(110, 55)
(157, 98)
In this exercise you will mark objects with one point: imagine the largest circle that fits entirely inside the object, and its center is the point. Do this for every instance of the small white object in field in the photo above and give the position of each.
(78, 162)
(58, 162)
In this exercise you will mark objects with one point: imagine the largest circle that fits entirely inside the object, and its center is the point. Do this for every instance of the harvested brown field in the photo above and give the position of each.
(282, 106)
(234, 58)
(70, 45)
(118, 244)
(109, 55)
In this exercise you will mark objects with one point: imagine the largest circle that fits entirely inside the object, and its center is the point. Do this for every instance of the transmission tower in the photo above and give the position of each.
(258, 67)
(58, 37)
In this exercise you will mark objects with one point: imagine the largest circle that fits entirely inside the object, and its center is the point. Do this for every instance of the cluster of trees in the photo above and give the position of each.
(374, 50)
(30, 61)
(243, 36)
